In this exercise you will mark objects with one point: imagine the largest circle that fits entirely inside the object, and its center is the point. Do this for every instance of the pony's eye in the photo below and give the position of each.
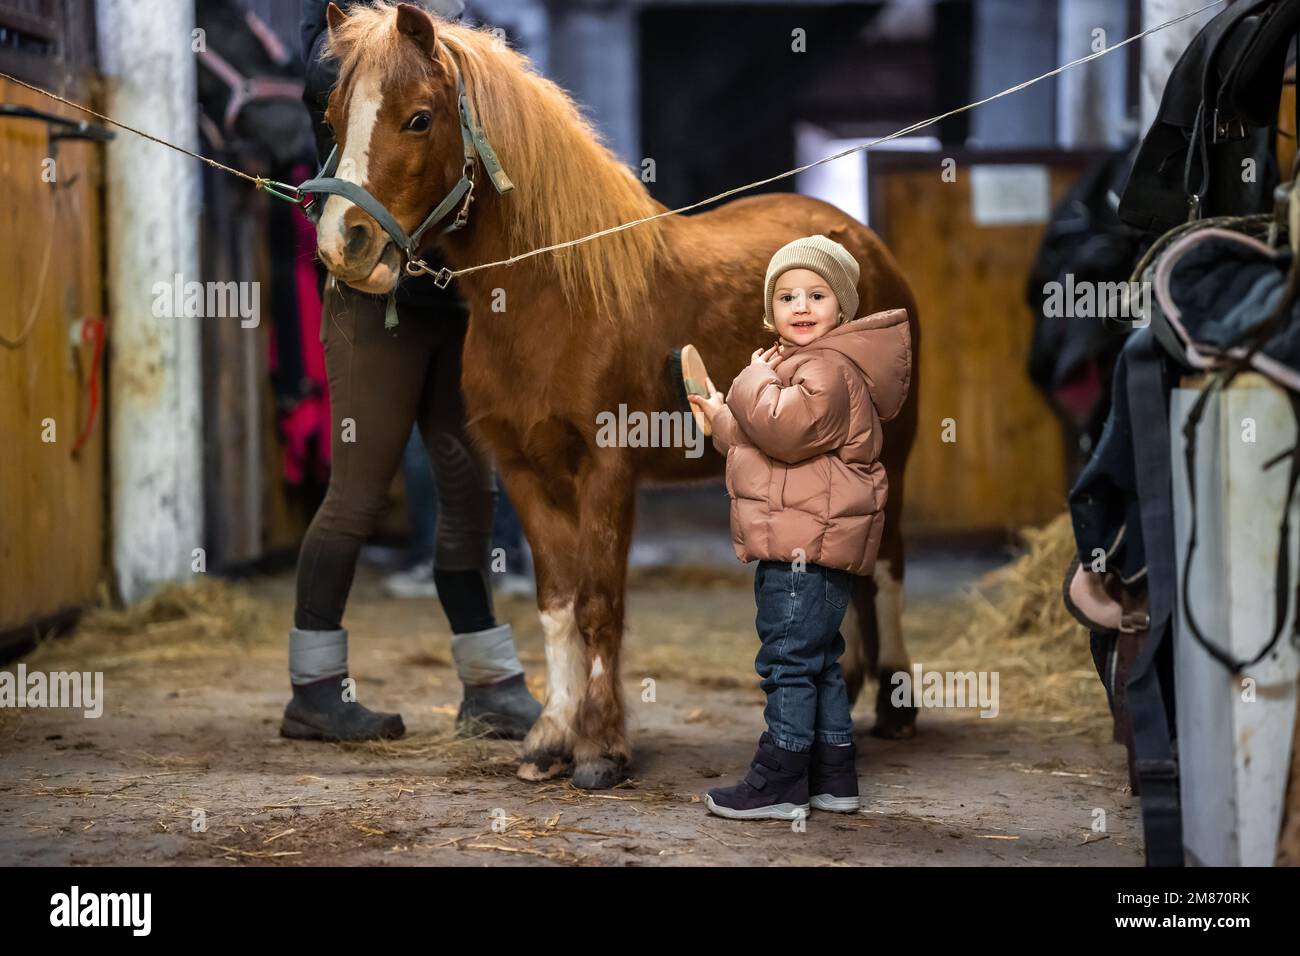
(419, 123)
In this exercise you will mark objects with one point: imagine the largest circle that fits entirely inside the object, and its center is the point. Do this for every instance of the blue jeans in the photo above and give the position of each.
(799, 617)
(421, 499)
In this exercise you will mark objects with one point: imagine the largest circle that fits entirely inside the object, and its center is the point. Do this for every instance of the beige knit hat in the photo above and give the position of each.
(828, 259)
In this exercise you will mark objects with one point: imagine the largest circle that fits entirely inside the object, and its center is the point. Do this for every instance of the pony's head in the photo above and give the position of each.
(396, 121)
(394, 117)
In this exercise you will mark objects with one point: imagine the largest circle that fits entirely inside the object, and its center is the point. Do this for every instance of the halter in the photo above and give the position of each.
(475, 145)
(245, 90)
(250, 89)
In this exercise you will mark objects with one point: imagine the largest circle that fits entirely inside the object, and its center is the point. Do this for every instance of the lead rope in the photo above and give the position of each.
(294, 195)
(274, 187)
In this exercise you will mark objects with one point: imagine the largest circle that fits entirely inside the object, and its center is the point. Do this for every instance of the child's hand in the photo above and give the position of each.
(711, 405)
(770, 358)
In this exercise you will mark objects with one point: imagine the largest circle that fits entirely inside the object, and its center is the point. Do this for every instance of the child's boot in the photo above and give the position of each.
(776, 787)
(833, 778)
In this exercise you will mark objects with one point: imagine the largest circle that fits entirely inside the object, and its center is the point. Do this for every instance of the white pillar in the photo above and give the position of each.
(155, 438)
(1160, 51)
(594, 56)
(1234, 732)
(1013, 42)
(1090, 99)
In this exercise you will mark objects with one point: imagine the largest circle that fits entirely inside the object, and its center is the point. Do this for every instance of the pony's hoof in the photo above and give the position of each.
(544, 766)
(893, 722)
(887, 731)
(600, 774)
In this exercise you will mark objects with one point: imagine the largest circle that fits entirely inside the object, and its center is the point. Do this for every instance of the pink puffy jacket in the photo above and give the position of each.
(803, 445)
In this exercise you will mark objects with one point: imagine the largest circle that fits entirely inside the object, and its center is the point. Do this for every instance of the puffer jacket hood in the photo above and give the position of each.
(880, 345)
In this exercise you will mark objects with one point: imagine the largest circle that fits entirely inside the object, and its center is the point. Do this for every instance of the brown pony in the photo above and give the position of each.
(557, 339)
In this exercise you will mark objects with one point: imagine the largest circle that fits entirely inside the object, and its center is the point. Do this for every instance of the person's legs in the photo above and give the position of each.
(415, 578)
(421, 499)
(797, 622)
(834, 714)
(515, 576)
(832, 772)
(375, 378)
(487, 662)
(799, 613)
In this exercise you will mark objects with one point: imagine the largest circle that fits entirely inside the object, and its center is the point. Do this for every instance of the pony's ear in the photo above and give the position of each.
(334, 17)
(415, 22)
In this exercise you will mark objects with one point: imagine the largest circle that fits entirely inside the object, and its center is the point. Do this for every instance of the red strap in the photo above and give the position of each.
(91, 327)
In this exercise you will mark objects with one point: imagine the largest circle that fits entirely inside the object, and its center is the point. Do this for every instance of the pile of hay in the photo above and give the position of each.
(208, 617)
(208, 607)
(1018, 626)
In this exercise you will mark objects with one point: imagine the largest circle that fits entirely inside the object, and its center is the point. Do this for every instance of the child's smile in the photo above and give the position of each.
(803, 307)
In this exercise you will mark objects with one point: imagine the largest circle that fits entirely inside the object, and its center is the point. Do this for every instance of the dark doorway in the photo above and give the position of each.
(721, 86)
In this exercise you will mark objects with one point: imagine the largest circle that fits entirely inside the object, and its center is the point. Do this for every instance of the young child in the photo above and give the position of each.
(800, 428)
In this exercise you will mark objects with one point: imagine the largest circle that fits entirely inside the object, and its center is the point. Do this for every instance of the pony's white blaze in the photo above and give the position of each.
(354, 164)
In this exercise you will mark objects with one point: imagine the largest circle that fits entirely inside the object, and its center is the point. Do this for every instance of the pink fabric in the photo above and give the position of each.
(1079, 394)
(309, 418)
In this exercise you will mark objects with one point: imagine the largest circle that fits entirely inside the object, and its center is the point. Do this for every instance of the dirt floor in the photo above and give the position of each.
(193, 706)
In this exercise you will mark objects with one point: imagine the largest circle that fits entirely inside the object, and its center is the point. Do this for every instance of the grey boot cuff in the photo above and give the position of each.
(315, 655)
(485, 657)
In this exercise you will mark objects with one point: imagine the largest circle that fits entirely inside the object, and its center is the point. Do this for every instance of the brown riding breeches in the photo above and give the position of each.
(380, 383)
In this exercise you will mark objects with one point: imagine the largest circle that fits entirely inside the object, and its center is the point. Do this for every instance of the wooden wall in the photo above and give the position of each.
(52, 512)
(1006, 468)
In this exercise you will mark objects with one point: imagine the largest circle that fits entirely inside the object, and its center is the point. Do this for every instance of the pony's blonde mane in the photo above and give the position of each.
(568, 183)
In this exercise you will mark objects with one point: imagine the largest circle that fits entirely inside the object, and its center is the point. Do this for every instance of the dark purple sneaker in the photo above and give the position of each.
(776, 787)
(833, 778)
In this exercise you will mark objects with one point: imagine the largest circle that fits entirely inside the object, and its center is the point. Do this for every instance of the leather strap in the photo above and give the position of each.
(1154, 756)
(755, 779)
(244, 90)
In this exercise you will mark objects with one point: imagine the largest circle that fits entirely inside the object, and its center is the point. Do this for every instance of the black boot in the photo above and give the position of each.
(833, 778)
(319, 712)
(505, 710)
(776, 787)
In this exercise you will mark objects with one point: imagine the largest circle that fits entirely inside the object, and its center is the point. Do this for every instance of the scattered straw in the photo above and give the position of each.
(1017, 625)
(205, 618)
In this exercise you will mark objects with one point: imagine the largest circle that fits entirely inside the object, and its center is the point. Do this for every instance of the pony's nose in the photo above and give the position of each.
(356, 240)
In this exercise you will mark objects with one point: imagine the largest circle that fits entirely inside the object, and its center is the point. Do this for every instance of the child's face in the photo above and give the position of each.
(803, 306)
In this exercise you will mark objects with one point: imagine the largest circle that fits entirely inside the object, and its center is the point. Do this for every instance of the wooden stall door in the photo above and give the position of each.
(52, 512)
(1006, 467)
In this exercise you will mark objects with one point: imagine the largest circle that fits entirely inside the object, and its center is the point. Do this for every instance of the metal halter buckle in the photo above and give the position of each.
(414, 267)
(462, 214)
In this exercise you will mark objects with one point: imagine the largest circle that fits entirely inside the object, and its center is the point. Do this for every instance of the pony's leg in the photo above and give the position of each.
(873, 644)
(861, 644)
(548, 747)
(893, 722)
(601, 752)
(549, 521)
